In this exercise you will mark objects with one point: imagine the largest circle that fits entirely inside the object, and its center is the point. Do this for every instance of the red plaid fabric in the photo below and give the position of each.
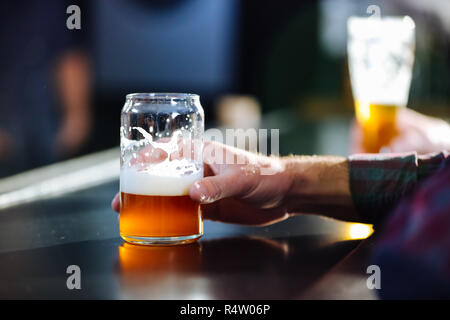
(408, 197)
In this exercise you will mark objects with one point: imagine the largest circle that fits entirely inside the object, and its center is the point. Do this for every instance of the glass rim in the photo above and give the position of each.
(162, 96)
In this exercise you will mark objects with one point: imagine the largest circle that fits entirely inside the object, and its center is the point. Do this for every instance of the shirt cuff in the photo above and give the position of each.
(429, 164)
(379, 181)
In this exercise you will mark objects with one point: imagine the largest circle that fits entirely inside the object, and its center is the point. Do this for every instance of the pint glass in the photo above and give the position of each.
(381, 57)
(161, 156)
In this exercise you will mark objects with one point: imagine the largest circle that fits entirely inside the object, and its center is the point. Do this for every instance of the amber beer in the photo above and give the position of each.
(378, 123)
(159, 216)
(155, 206)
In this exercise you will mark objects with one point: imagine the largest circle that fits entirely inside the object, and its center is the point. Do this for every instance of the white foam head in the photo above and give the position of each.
(169, 178)
(139, 175)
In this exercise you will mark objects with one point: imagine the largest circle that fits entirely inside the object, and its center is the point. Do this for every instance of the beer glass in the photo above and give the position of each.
(380, 57)
(161, 156)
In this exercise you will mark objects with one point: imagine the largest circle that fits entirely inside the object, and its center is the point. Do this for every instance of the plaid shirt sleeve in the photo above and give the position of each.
(379, 181)
(413, 248)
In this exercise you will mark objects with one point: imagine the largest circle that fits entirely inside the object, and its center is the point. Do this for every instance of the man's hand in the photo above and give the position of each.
(417, 132)
(236, 188)
(247, 188)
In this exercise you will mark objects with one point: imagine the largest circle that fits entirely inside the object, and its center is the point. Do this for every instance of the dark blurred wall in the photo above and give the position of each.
(33, 38)
(278, 52)
(160, 46)
(185, 45)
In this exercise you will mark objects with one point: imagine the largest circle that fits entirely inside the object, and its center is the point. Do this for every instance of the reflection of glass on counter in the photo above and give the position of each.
(135, 259)
(162, 272)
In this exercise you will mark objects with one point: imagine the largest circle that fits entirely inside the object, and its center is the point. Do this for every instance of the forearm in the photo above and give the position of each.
(320, 185)
(363, 188)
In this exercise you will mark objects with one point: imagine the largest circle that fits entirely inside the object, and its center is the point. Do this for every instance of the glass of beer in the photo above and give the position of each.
(381, 58)
(161, 156)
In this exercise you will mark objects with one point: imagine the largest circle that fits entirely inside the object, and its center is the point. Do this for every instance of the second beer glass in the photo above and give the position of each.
(161, 156)
(380, 56)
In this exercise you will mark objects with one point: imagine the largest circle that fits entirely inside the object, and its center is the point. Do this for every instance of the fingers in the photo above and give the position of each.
(190, 149)
(220, 156)
(412, 141)
(148, 155)
(158, 152)
(356, 138)
(115, 203)
(214, 188)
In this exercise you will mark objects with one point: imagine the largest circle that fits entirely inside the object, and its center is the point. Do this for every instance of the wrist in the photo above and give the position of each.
(319, 184)
(317, 175)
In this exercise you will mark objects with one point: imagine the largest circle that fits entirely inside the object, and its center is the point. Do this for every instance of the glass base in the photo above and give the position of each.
(161, 240)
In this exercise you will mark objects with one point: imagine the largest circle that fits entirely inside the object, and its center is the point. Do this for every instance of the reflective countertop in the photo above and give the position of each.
(303, 257)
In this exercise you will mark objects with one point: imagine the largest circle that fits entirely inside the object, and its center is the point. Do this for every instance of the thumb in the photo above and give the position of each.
(214, 188)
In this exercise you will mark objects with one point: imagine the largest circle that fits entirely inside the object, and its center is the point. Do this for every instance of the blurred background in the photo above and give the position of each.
(267, 64)
(254, 63)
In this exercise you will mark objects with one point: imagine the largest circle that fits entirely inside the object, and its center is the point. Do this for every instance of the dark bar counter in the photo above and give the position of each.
(288, 260)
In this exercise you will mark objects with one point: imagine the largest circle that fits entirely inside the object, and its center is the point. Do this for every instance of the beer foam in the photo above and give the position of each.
(381, 57)
(169, 178)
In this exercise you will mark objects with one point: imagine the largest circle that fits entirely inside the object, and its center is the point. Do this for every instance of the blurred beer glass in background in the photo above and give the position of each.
(381, 58)
(161, 156)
